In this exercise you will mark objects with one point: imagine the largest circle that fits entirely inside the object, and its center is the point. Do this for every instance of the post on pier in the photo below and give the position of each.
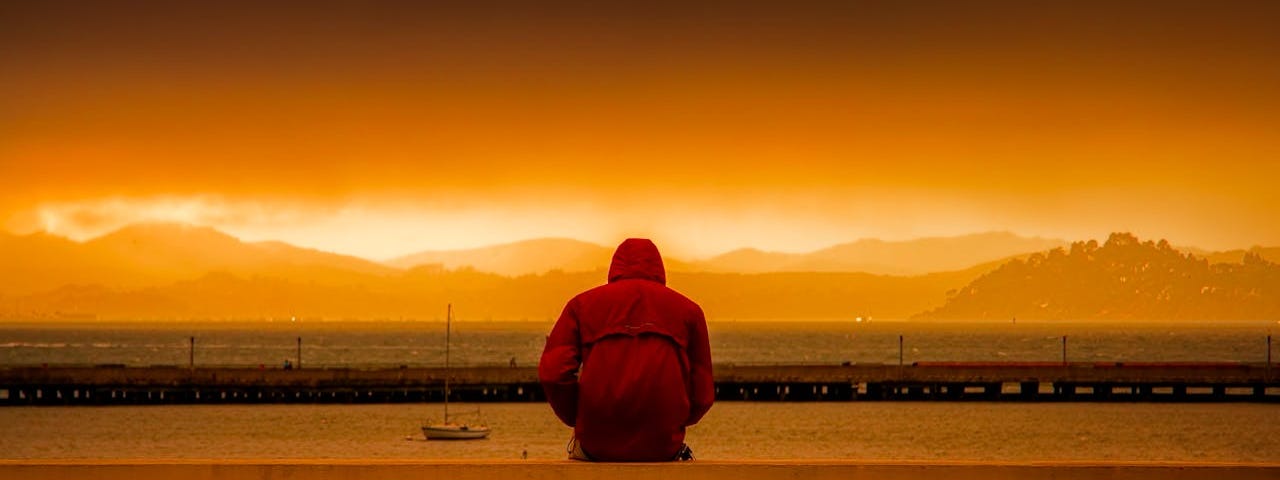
(899, 350)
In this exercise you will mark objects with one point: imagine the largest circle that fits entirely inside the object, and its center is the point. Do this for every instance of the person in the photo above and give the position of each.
(628, 364)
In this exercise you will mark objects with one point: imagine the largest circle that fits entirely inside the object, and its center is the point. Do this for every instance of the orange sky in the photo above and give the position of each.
(381, 128)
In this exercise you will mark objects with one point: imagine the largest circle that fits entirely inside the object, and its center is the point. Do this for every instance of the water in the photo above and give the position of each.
(496, 343)
(732, 430)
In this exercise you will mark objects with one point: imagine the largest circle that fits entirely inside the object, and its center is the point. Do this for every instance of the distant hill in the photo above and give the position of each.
(518, 258)
(525, 258)
(39, 261)
(420, 292)
(820, 295)
(1270, 254)
(1124, 279)
(912, 257)
(159, 253)
(188, 251)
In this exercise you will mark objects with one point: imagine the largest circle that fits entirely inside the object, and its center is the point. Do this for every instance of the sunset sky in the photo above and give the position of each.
(379, 128)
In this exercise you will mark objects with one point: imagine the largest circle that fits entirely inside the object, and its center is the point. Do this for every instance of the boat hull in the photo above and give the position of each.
(454, 432)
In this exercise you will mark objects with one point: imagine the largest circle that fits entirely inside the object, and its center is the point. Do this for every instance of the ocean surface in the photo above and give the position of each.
(351, 344)
(1226, 432)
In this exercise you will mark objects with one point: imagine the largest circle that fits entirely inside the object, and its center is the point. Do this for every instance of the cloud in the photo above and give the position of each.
(81, 220)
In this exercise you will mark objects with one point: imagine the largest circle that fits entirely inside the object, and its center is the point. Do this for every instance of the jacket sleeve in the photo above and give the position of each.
(558, 368)
(702, 388)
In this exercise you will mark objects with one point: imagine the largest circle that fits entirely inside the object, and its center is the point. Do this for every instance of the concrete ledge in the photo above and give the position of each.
(698, 470)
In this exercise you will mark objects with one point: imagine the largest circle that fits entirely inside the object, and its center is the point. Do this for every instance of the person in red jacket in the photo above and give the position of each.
(628, 364)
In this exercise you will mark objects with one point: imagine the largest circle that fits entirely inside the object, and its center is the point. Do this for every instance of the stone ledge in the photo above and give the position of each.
(400, 469)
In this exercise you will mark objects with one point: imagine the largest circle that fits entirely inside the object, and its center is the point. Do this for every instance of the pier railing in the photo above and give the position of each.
(921, 381)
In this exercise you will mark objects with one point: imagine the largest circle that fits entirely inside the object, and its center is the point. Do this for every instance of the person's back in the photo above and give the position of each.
(628, 364)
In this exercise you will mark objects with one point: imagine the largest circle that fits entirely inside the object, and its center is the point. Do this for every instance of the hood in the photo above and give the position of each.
(637, 258)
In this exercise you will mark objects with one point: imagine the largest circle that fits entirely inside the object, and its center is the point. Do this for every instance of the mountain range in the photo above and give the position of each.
(911, 257)
(155, 254)
(160, 253)
(160, 271)
(518, 258)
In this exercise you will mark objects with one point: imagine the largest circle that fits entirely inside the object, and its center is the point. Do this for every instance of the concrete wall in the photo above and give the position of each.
(538, 470)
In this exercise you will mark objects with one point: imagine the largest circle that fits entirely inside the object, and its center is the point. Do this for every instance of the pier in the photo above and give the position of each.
(924, 381)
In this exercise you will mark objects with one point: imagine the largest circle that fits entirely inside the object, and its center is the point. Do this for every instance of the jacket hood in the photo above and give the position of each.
(637, 258)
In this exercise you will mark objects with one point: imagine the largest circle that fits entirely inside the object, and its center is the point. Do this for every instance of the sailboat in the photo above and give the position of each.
(451, 430)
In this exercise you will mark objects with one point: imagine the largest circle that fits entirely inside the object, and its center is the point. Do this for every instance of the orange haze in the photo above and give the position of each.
(382, 128)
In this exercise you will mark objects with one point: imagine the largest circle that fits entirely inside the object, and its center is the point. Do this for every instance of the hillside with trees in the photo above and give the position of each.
(1122, 279)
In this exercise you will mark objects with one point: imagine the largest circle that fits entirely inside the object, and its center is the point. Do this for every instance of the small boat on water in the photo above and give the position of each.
(449, 430)
(455, 431)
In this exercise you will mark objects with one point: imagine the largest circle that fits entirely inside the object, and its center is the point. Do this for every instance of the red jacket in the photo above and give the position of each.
(628, 365)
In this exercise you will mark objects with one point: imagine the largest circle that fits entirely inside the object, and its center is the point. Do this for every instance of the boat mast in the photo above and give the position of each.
(448, 319)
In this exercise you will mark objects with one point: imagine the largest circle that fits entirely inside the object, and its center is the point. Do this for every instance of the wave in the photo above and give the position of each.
(36, 345)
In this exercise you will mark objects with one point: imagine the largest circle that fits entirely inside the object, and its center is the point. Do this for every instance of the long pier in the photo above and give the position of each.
(923, 381)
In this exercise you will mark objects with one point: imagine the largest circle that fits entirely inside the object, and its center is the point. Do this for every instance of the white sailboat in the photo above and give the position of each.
(449, 430)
